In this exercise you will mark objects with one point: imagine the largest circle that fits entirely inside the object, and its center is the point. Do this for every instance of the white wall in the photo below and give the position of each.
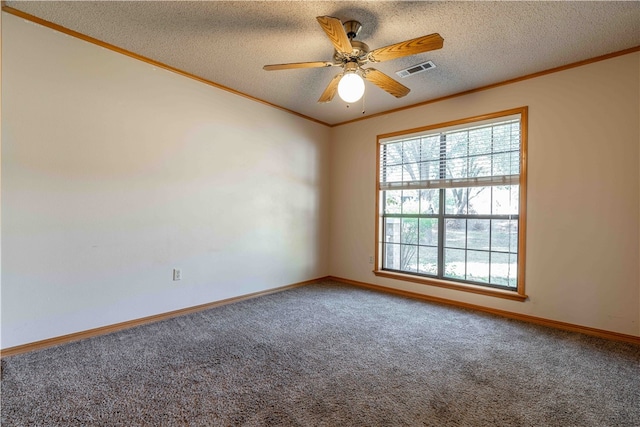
(114, 173)
(583, 244)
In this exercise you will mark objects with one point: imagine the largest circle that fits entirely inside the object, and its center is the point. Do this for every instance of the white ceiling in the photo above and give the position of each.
(229, 42)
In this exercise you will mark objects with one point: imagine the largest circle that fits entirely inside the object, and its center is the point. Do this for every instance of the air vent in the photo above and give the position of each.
(415, 69)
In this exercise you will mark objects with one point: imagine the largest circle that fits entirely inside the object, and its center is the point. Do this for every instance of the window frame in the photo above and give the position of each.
(517, 294)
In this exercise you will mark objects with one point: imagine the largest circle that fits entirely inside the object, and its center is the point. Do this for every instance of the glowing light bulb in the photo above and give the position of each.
(351, 87)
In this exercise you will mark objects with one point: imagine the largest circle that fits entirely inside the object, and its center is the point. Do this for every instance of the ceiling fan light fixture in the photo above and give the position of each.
(351, 87)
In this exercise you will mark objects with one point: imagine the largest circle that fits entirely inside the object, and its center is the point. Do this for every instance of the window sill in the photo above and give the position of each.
(512, 295)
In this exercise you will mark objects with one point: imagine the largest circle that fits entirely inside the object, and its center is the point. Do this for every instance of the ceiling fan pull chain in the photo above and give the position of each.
(363, 96)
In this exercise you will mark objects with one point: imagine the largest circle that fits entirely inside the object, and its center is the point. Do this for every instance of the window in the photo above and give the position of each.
(451, 204)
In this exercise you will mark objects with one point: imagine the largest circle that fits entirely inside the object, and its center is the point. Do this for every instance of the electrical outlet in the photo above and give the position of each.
(370, 259)
(177, 274)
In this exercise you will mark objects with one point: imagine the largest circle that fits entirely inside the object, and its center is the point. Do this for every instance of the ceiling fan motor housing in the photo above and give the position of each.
(359, 51)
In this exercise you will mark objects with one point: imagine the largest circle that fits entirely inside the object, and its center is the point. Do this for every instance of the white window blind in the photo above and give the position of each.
(480, 155)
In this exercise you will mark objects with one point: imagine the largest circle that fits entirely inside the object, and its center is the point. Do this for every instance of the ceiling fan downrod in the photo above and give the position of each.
(352, 28)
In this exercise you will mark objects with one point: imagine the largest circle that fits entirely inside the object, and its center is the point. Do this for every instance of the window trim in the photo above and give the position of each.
(519, 293)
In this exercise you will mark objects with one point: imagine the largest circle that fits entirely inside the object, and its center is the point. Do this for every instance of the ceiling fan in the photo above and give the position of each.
(352, 54)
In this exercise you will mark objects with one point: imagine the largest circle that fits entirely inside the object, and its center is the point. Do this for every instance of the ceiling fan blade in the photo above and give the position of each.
(406, 48)
(385, 82)
(318, 64)
(336, 33)
(331, 89)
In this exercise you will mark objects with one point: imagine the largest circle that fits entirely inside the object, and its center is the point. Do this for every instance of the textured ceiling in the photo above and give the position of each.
(229, 42)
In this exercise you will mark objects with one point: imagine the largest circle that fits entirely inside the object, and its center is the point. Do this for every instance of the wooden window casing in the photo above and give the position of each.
(442, 180)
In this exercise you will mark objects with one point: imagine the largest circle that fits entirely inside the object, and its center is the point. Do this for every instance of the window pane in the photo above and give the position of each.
(409, 231)
(505, 200)
(479, 202)
(513, 270)
(500, 268)
(472, 200)
(478, 266)
(479, 166)
(410, 201)
(392, 200)
(427, 260)
(455, 233)
(409, 258)
(392, 153)
(480, 141)
(457, 144)
(478, 234)
(431, 148)
(454, 263)
(429, 170)
(392, 230)
(504, 235)
(411, 151)
(455, 200)
(411, 172)
(428, 233)
(506, 164)
(457, 167)
(515, 164)
(392, 256)
(429, 202)
(393, 174)
(504, 269)
(504, 137)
